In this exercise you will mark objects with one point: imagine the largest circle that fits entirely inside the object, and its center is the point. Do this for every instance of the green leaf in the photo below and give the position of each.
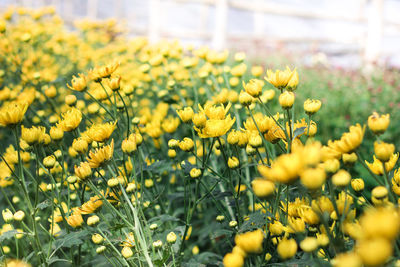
(71, 239)
(7, 235)
(44, 204)
(164, 218)
(256, 220)
(298, 132)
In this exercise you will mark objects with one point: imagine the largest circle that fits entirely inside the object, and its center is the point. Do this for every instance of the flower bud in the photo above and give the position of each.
(254, 87)
(83, 171)
(171, 153)
(331, 165)
(383, 151)
(199, 120)
(232, 224)
(114, 83)
(286, 100)
(287, 248)
(195, 173)
(157, 244)
(309, 244)
(312, 106)
(80, 145)
(378, 123)
(7, 216)
(127, 252)
(233, 162)
(100, 249)
(341, 178)
(97, 239)
(186, 144)
(70, 100)
(113, 182)
(128, 146)
(220, 218)
(173, 143)
(93, 220)
(255, 140)
(262, 188)
(153, 226)
(357, 184)
(245, 99)
(171, 238)
(19, 215)
(250, 150)
(349, 159)
(379, 195)
(56, 133)
(49, 161)
(186, 114)
(313, 178)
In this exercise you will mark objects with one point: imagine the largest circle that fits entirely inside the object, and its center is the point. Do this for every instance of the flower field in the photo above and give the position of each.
(118, 152)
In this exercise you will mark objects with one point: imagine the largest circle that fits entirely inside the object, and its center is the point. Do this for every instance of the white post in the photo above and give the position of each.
(68, 9)
(92, 9)
(120, 9)
(258, 26)
(221, 16)
(373, 43)
(154, 20)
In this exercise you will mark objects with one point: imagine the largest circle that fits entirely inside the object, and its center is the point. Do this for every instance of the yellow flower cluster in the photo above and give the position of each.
(156, 153)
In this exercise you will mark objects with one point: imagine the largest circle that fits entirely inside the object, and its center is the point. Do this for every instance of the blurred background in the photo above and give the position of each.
(340, 33)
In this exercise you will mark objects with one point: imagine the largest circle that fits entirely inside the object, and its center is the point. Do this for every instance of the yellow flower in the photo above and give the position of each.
(215, 112)
(199, 120)
(99, 156)
(349, 259)
(16, 263)
(169, 125)
(245, 98)
(70, 120)
(341, 178)
(374, 252)
(186, 114)
(233, 260)
(262, 187)
(279, 78)
(287, 248)
(83, 171)
(380, 222)
(75, 220)
(383, 151)
(378, 123)
(216, 127)
(254, 87)
(377, 168)
(91, 206)
(357, 184)
(250, 242)
(293, 81)
(78, 83)
(33, 135)
(114, 83)
(56, 133)
(12, 113)
(350, 140)
(309, 244)
(129, 144)
(101, 132)
(186, 144)
(311, 106)
(285, 169)
(286, 99)
(313, 178)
